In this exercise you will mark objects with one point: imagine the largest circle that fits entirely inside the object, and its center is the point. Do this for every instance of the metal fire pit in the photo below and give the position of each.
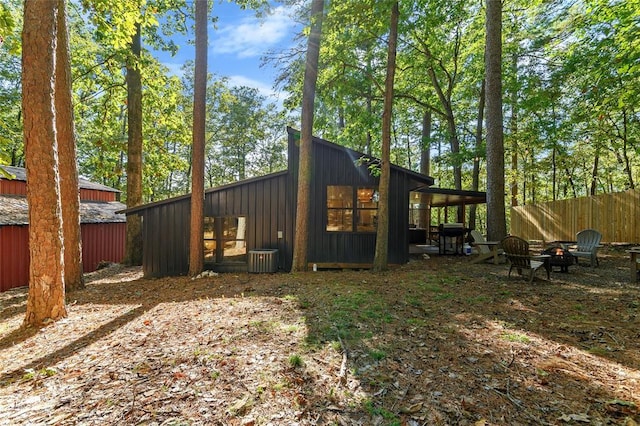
(560, 257)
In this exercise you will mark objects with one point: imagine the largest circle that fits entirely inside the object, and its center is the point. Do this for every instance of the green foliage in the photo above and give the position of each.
(570, 69)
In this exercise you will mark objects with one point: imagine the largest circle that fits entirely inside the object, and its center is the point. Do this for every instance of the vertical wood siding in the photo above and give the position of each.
(333, 165)
(19, 187)
(614, 215)
(14, 257)
(269, 204)
(100, 242)
(13, 187)
(262, 201)
(96, 195)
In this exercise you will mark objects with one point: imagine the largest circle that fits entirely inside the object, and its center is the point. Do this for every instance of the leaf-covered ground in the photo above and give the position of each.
(438, 341)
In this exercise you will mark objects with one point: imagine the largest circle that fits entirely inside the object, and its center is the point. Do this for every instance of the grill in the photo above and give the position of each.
(263, 260)
(560, 257)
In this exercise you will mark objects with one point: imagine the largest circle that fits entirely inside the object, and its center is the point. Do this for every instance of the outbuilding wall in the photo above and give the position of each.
(100, 242)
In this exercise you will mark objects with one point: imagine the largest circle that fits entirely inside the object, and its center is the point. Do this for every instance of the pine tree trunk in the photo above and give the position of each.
(73, 277)
(380, 260)
(46, 300)
(496, 220)
(133, 255)
(196, 244)
(301, 238)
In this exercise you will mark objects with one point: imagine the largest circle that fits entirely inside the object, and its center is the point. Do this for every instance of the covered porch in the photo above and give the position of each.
(431, 221)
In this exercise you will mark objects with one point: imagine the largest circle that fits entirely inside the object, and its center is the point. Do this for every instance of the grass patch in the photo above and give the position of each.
(515, 337)
(377, 355)
(295, 361)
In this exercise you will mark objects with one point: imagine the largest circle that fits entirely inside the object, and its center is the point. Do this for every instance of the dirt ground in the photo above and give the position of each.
(438, 341)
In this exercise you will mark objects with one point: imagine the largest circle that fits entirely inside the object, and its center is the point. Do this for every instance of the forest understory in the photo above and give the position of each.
(439, 341)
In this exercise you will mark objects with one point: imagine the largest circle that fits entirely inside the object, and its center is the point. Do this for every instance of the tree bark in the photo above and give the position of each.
(496, 218)
(475, 177)
(380, 260)
(196, 244)
(513, 182)
(305, 169)
(46, 299)
(73, 277)
(133, 254)
(425, 167)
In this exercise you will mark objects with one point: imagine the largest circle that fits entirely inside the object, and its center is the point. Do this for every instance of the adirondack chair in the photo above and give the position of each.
(588, 243)
(486, 250)
(517, 252)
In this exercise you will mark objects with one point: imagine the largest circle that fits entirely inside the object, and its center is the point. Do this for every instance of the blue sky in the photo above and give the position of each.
(236, 44)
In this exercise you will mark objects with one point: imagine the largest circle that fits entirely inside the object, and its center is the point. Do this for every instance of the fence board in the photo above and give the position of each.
(614, 215)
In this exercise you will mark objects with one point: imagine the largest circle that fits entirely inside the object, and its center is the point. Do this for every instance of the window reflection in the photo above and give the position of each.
(344, 203)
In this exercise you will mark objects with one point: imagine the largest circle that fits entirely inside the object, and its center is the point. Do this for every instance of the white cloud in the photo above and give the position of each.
(263, 89)
(251, 36)
(175, 68)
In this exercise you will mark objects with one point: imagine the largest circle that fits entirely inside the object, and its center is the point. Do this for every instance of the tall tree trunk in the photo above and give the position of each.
(305, 170)
(594, 175)
(73, 277)
(475, 178)
(133, 255)
(454, 142)
(425, 166)
(46, 300)
(380, 260)
(496, 217)
(513, 182)
(196, 244)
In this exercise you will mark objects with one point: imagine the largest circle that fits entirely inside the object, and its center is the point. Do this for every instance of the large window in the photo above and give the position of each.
(225, 239)
(351, 208)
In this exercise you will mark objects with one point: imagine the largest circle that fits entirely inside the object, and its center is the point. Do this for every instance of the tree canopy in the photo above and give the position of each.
(570, 70)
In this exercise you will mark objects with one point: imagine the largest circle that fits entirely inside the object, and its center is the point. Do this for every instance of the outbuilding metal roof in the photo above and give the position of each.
(14, 211)
(21, 175)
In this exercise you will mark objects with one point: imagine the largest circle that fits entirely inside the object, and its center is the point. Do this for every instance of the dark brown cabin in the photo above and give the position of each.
(245, 217)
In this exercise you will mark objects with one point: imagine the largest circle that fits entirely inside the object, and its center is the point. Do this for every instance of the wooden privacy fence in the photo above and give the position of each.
(614, 215)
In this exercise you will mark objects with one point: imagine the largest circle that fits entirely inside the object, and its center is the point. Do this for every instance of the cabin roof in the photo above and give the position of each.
(442, 197)
(14, 211)
(419, 179)
(20, 174)
(207, 191)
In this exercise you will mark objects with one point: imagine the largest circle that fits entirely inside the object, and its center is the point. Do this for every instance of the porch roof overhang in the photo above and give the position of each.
(444, 197)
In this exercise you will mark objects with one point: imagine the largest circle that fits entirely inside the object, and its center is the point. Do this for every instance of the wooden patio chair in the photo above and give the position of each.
(588, 243)
(486, 250)
(517, 252)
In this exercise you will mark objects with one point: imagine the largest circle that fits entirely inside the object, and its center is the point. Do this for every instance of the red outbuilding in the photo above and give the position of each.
(103, 230)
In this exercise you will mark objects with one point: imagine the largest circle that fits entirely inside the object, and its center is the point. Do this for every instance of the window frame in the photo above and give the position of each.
(219, 240)
(353, 208)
